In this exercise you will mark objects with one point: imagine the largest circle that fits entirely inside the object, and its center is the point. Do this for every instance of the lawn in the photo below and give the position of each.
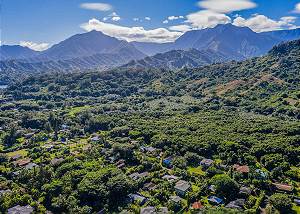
(22, 152)
(196, 170)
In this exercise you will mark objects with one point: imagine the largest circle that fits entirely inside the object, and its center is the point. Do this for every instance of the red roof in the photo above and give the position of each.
(197, 205)
(283, 187)
(241, 169)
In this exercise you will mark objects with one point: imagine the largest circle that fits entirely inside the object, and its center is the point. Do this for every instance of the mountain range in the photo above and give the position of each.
(95, 50)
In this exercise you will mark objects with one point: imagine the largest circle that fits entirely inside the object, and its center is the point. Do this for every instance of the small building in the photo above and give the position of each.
(206, 162)
(22, 162)
(197, 206)
(215, 200)
(168, 162)
(237, 204)
(30, 165)
(148, 210)
(241, 169)
(56, 161)
(297, 201)
(149, 149)
(2, 192)
(16, 157)
(245, 191)
(182, 187)
(283, 187)
(120, 163)
(136, 176)
(48, 147)
(162, 210)
(170, 178)
(29, 135)
(176, 199)
(149, 186)
(137, 198)
(95, 138)
(20, 210)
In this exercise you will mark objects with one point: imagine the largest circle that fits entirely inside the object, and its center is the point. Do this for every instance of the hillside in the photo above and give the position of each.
(267, 85)
(178, 59)
(16, 52)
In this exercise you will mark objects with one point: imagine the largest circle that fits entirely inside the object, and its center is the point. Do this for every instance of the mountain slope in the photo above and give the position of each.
(235, 42)
(88, 44)
(16, 52)
(284, 35)
(177, 59)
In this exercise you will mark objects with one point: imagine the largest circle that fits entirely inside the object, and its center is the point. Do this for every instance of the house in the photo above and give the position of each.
(149, 186)
(241, 169)
(283, 187)
(29, 135)
(30, 166)
(120, 163)
(170, 178)
(162, 210)
(168, 162)
(20, 210)
(22, 162)
(48, 147)
(215, 200)
(206, 162)
(197, 206)
(297, 201)
(245, 191)
(136, 176)
(212, 188)
(56, 161)
(149, 149)
(261, 174)
(237, 204)
(182, 187)
(16, 157)
(148, 210)
(137, 198)
(95, 138)
(176, 199)
(2, 192)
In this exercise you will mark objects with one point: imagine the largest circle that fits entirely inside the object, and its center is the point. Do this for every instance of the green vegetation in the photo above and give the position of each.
(226, 136)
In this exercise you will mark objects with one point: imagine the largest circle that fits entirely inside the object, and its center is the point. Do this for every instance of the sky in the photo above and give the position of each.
(39, 24)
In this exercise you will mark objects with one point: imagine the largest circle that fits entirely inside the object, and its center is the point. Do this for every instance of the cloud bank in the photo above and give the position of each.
(35, 46)
(226, 6)
(140, 34)
(96, 6)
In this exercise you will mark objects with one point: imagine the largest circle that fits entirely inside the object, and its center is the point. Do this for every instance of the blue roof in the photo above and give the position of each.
(215, 199)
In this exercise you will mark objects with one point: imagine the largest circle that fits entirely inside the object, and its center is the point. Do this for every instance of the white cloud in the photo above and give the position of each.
(116, 18)
(113, 17)
(35, 46)
(140, 34)
(165, 22)
(171, 18)
(147, 18)
(136, 19)
(261, 23)
(297, 8)
(226, 6)
(180, 28)
(207, 19)
(96, 6)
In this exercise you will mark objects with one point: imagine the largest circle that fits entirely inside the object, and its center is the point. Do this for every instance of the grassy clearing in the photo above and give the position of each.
(22, 152)
(196, 170)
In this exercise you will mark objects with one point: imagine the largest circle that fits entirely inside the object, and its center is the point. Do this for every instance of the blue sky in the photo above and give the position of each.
(39, 24)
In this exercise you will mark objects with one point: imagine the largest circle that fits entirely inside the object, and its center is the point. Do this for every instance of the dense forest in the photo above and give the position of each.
(223, 138)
